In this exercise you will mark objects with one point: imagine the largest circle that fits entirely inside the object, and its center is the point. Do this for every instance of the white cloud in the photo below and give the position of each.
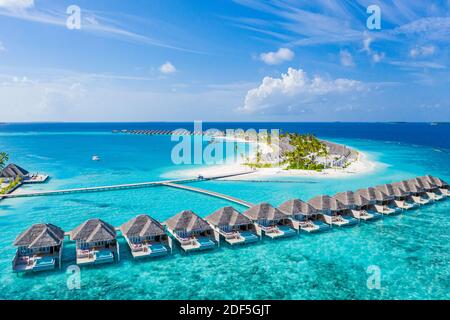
(93, 23)
(294, 89)
(2, 47)
(423, 51)
(16, 4)
(375, 56)
(167, 68)
(346, 58)
(280, 56)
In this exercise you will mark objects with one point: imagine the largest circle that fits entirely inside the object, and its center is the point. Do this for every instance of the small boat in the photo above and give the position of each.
(95, 158)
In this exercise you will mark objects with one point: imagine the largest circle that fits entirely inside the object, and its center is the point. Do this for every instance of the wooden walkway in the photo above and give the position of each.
(210, 193)
(117, 187)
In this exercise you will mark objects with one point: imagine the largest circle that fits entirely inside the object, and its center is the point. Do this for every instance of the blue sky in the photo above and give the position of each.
(223, 60)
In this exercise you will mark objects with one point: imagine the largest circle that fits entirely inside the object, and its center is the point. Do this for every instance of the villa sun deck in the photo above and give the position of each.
(146, 237)
(96, 242)
(97, 255)
(191, 232)
(303, 216)
(232, 226)
(270, 221)
(332, 211)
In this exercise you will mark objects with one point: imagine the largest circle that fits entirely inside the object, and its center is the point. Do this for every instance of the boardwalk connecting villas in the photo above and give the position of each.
(168, 183)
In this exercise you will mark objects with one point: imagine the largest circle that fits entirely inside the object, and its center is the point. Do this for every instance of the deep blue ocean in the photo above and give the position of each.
(411, 251)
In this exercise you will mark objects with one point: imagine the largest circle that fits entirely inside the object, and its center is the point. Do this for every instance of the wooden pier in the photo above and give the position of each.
(210, 193)
(121, 187)
(180, 132)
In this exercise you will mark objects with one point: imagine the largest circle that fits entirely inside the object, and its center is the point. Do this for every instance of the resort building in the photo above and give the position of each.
(431, 188)
(12, 171)
(233, 226)
(304, 217)
(191, 231)
(332, 211)
(403, 193)
(96, 242)
(146, 237)
(357, 205)
(38, 248)
(441, 185)
(270, 221)
(418, 192)
(385, 200)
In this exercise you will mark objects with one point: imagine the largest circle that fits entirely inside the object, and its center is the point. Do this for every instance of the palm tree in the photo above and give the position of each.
(4, 157)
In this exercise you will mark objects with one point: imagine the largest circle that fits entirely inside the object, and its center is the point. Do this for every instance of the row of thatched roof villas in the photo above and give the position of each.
(40, 246)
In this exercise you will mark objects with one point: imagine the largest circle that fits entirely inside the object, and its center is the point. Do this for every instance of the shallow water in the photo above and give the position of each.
(412, 250)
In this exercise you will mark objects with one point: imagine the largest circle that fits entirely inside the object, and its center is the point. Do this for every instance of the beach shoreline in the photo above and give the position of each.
(362, 165)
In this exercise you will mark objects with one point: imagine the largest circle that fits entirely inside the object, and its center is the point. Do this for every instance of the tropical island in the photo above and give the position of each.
(13, 176)
(294, 154)
(304, 152)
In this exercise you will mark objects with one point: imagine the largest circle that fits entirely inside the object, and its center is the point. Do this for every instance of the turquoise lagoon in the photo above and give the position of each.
(412, 250)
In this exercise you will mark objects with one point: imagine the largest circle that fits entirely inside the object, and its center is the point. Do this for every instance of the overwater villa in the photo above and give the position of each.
(303, 215)
(441, 185)
(385, 196)
(357, 205)
(96, 242)
(418, 192)
(39, 248)
(402, 196)
(233, 226)
(332, 211)
(146, 237)
(271, 221)
(13, 171)
(191, 231)
(431, 188)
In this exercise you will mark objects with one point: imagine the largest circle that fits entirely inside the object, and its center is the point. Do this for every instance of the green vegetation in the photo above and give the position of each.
(259, 165)
(11, 185)
(307, 149)
(4, 157)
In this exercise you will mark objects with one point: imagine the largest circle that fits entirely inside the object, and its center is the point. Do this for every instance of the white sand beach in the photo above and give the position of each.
(362, 165)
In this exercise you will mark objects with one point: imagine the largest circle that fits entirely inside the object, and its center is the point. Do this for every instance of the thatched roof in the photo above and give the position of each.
(369, 193)
(264, 211)
(40, 235)
(413, 187)
(347, 198)
(401, 190)
(416, 184)
(427, 182)
(297, 206)
(324, 203)
(439, 182)
(385, 192)
(93, 230)
(142, 226)
(187, 221)
(12, 171)
(227, 216)
(360, 200)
